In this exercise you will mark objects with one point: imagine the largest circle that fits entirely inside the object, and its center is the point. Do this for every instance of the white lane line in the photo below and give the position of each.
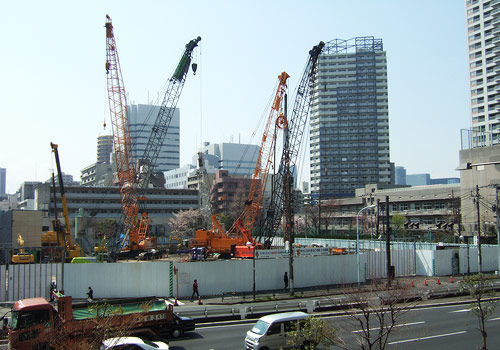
(462, 310)
(398, 325)
(429, 337)
(494, 319)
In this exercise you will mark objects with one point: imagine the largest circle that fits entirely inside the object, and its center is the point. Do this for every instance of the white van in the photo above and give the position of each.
(269, 332)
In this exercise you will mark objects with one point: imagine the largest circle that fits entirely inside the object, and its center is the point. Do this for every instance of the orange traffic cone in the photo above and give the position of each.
(451, 279)
(412, 284)
(199, 301)
(425, 282)
(175, 302)
(438, 281)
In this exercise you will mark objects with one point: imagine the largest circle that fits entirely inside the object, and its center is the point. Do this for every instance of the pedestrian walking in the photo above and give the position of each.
(53, 288)
(90, 295)
(195, 289)
(285, 279)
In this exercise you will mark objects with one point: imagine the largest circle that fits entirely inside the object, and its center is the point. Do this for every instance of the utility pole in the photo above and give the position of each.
(378, 218)
(479, 255)
(288, 201)
(497, 212)
(388, 242)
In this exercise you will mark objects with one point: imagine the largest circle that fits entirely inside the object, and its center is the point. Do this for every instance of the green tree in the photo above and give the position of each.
(397, 221)
(226, 220)
(479, 288)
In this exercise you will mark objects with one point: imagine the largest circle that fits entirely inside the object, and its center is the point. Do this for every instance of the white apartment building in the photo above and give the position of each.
(483, 37)
(349, 133)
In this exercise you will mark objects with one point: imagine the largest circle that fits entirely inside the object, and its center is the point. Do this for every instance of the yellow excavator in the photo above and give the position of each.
(22, 257)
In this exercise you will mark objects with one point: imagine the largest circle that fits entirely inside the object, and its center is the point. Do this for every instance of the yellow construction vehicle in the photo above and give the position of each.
(22, 257)
(59, 240)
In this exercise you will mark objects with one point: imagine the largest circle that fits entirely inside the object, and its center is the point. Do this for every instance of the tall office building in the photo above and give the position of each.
(239, 158)
(349, 133)
(483, 34)
(3, 180)
(141, 121)
(104, 149)
(400, 175)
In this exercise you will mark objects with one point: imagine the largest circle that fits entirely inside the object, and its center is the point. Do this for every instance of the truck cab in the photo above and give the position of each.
(32, 321)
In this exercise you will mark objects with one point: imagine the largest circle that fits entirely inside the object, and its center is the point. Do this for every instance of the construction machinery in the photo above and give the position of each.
(131, 180)
(172, 94)
(136, 228)
(60, 239)
(281, 196)
(22, 257)
(238, 240)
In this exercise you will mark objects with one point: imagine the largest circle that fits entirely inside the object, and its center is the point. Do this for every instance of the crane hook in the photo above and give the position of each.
(194, 67)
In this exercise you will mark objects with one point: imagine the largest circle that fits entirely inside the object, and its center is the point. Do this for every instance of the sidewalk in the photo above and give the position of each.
(422, 285)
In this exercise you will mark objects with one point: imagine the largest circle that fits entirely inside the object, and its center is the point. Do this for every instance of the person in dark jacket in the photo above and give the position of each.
(195, 289)
(285, 279)
(90, 295)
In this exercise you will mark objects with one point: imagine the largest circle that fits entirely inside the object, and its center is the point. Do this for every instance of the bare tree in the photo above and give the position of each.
(377, 312)
(311, 212)
(479, 288)
(329, 212)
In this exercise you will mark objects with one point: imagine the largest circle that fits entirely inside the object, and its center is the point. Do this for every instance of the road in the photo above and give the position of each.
(433, 328)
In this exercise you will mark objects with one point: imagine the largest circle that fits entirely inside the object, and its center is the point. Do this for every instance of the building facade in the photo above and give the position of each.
(3, 180)
(141, 120)
(178, 178)
(483, 26)
(400, 175)
(349, 134)
(238, 158)
(428, 210)
(104, 149)
(97, 175)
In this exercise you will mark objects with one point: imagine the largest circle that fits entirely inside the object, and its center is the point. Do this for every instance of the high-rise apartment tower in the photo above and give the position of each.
(483, 37)
(349, 133)
(104, 148)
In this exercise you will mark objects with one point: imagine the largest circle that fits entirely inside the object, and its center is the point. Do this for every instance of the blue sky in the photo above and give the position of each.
(53, 88)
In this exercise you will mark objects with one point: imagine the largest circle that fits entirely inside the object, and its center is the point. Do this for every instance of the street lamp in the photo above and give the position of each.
(357, 236)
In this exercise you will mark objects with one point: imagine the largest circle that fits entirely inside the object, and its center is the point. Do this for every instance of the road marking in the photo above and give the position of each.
(494, 319)
(398, 325)
(462, 310)
(429, 337)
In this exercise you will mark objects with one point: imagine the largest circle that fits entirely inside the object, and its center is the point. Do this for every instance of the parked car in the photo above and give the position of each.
(132, 343)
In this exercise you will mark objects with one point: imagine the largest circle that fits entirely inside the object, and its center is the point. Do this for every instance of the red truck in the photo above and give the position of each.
(37, 324)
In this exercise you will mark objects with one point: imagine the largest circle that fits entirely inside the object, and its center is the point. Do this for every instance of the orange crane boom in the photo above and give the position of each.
(135, 229)
(216, 240)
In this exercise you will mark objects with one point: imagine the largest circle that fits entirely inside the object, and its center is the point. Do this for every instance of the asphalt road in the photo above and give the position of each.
(433, 328)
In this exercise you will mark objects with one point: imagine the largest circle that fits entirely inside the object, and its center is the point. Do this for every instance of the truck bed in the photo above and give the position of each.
(82, 311)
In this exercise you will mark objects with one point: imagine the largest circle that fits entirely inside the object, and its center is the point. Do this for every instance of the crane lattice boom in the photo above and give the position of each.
(264, 160)
(121, 140)
(167, 109)
(292, 143)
